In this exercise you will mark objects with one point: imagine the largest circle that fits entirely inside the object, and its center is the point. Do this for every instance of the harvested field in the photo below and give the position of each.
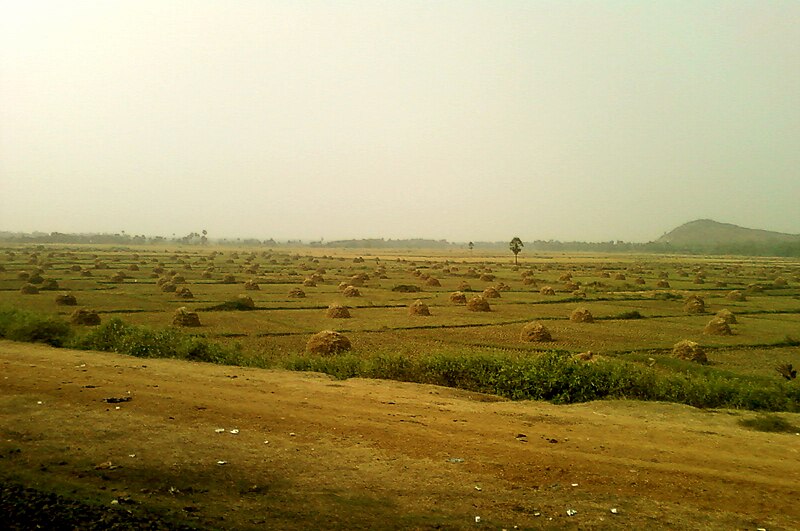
(635, 326)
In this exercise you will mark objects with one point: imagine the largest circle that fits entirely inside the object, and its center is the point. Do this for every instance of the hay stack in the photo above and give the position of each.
(76, 268)
(49, 284)
(358, 280)
(547, 290)
(534, 332)
(605, 274)
(342, 286)
(351, 291)
(86, 273)
(297, 293)
(29, 289)
(337, 311)
(85, 317)
(251, 285)
(694, 304)
(581, 315)
(118, 277)
(133, 267)
(727, 316)
(565, 277)
(502, 286)
(458, 297)
(639, 280)
(328, 342)
(478, 304)
(406, 288)
(309, 283)
(464, 286)
(755, 288)
(491, 293)
(662, 284)
(183, 317)
(588, 357)
(229, 279)
(66, 299)
(780, 282)
(245, 302)
(433, 282)
(736, 295)
(717, 327)
(486, 277)
(419, 308)
(168, 287)
(690, 351)
(619, 276)
(184, 293)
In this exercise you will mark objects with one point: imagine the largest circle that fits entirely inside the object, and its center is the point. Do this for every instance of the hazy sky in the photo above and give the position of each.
(465, 120)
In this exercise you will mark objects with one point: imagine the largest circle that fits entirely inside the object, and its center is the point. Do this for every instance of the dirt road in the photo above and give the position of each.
(227, 447)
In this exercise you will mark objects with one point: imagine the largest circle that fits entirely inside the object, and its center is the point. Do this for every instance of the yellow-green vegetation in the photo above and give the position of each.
(636, 317)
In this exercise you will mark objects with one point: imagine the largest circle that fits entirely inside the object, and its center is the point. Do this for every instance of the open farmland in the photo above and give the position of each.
(238, 447)
(637, 302)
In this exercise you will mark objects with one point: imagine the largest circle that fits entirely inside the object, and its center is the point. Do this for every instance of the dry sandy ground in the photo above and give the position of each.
(314, 453)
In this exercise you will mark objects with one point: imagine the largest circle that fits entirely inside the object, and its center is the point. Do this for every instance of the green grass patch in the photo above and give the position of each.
(558, 378)
(21, 325)
(117, 336)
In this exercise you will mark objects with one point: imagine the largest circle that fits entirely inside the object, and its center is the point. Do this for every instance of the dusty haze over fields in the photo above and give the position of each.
(458, 120)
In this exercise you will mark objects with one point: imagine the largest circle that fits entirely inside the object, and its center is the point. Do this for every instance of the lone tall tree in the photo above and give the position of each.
(516, 246)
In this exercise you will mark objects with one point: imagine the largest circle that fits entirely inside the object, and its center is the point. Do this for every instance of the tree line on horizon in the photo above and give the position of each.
(749, 248)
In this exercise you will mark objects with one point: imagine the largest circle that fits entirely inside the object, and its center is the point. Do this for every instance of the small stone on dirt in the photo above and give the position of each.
(117, 400)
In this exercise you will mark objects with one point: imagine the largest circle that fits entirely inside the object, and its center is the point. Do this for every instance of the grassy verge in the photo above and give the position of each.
(19, 325)
(553, 376)
(560, 379)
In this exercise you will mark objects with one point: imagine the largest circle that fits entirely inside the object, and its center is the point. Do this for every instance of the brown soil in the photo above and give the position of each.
(315, 453)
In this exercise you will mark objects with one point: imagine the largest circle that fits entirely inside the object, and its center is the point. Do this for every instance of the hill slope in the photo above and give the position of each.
(707, 231)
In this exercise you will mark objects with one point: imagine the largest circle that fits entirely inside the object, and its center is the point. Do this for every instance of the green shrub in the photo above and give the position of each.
(558, 378)
(117, 336)
(19, 325)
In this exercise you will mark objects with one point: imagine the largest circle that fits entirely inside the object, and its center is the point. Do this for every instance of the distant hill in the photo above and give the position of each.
(710, 232)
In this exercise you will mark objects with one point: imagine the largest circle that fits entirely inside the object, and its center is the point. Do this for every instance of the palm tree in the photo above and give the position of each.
(516, 246)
